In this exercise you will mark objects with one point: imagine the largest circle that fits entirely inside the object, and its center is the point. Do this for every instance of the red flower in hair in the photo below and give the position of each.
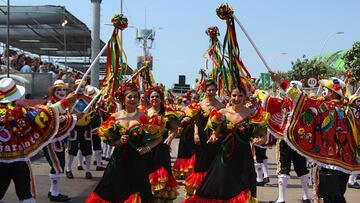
(157, 89)
(144, 119)
(125, 87)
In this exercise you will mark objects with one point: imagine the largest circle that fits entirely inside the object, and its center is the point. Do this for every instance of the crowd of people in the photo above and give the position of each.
(221, 153)
(20, 62)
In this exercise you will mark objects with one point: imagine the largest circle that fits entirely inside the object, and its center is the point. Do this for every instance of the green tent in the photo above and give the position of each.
(334, 60)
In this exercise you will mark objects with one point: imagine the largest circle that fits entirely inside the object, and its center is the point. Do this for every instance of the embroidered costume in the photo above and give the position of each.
(231, 177)
(125, 178)
(184, 164)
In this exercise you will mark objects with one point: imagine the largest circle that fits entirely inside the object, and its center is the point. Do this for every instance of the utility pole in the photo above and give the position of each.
(95, 41)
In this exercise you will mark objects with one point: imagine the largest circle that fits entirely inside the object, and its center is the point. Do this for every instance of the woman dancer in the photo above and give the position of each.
(204, 151)
(125, 178)
(231, 177)
(162, 124)
(185, 161)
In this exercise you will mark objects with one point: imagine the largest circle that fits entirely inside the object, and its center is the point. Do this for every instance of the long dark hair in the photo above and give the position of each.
(158, 90)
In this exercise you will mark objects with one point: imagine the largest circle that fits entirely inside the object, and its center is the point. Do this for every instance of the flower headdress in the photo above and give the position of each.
(157, 89)
(124, 89)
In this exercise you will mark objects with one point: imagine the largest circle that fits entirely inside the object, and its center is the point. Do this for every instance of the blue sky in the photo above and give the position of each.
(276, 26)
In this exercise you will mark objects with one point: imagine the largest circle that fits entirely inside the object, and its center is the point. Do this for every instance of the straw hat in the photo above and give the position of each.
(77, 82)
(334, 84)
(57, 83)
(91, 90)
(9, 91)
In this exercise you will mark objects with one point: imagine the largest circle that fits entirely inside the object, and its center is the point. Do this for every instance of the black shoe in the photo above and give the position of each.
(100, 168)
(95, 163)
(80, 168)
(276, 201)
(260, 183)
(306, 201)
(107, 159)
(103, 158)
(59, 198)
(266, 180)
(69, 175)
(88, 175)
(354, 186)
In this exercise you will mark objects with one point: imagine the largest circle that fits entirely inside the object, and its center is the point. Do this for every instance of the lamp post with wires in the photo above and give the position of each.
(65, 54)
(327, 39)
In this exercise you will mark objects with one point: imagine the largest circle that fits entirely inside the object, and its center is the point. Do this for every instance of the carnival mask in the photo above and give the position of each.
(325, 92)
(60, 93)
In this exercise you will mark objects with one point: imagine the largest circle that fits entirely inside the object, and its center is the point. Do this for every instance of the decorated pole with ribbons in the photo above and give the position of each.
(236, 74)
(116, 60)
(116, 67)
(218, 69)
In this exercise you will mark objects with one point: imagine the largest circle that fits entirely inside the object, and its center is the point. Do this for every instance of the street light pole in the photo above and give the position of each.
(95, 41)
(327, 39)
(65, 54)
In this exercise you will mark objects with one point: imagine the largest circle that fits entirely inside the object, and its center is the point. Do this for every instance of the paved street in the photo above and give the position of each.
(79, 188)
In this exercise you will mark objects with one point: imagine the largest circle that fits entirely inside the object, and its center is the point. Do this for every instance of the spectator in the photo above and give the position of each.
(42, 67)
(52, 71)
(35, 65)
(26, 68)
(20, 61)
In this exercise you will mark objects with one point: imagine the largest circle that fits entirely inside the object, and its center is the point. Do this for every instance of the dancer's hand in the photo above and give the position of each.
(185, 120)
(258, 141)
(275, 77)
(143, 150)
(168, 140)
(197, 139)
(212, 138)
(72, 97)
(180, 129)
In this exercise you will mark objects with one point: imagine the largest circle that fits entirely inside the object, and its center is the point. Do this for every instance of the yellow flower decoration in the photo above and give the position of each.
(301, 131)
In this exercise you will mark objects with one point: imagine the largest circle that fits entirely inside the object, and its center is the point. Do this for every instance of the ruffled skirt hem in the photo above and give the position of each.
(163, 184)
(193, 181)
(95, 198)
(242, 197)
(183, 167)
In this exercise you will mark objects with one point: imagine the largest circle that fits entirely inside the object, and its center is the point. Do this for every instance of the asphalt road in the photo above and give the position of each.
(79, 188)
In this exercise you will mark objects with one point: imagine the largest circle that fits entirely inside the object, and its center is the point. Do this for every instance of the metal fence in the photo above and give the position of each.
(36, 84)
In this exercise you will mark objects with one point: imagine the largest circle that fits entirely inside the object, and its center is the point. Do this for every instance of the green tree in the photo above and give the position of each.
(352, 61)
(306, 68)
